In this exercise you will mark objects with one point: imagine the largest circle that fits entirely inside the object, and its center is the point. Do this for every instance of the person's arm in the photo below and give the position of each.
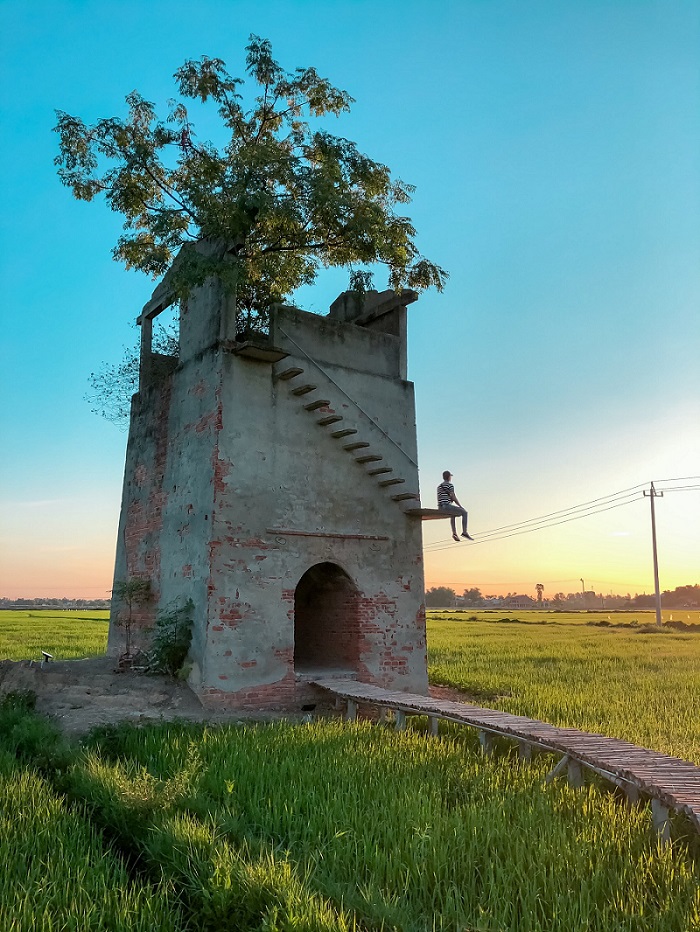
(455, 499)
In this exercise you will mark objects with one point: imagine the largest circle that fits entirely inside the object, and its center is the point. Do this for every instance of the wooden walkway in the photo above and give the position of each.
(670, 783)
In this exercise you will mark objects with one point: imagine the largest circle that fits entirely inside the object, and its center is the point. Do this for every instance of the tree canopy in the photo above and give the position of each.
(283, 197)
(440, 597)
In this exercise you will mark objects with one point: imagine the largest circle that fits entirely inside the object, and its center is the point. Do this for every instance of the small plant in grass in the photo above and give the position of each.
(132, 592)
(171, 640)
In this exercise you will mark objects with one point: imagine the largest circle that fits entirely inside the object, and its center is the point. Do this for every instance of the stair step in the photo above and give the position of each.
(290, 373)
(368, 458)
(343, 432)
(355, 445)
(404, 496)
(303, 389)
(318, 403)
(386, 482)
(330, 419)
(380, 470)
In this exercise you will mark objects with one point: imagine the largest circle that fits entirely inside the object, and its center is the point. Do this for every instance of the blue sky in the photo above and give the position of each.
(555, 149)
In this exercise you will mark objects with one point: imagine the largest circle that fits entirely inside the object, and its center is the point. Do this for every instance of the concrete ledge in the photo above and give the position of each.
(283, 532)
(427, 514)
(261, 351)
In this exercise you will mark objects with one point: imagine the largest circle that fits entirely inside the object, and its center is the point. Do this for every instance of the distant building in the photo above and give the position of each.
(492, 602)
(519, 602)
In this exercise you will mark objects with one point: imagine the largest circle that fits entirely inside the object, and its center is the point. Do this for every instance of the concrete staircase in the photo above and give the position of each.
(349, 438)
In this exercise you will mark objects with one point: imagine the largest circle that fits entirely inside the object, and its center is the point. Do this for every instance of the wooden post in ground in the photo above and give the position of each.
(575, 774)
(561, 764)
(661, 821)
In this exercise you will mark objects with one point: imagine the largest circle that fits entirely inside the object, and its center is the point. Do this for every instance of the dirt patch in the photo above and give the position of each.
(82, 694)
(452, 694)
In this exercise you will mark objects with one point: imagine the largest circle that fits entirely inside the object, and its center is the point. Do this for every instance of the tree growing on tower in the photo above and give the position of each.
(282, 196)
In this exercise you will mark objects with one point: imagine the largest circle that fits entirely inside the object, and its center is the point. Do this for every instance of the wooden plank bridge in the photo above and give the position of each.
(672, 784)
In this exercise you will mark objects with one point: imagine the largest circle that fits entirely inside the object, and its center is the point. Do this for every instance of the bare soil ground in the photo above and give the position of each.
(453, 695)
(82, 694)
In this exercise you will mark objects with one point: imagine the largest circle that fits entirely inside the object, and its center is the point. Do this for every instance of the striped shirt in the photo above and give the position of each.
(445, 492)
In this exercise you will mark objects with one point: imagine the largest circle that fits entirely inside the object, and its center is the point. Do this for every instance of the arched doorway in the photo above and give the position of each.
(326, 624)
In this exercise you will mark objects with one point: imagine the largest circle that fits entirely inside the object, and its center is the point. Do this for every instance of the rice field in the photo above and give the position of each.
(335, 826)
(68, 635)
(625, 678)
(57, 872)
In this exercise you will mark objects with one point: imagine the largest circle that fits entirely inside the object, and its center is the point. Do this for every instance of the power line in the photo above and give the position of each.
(612, 582)
(562, 511)
(548, 582)
(581, 511)
(624, 493)
(679, 479)
(681, 488)
(573, 513)
(434, 548)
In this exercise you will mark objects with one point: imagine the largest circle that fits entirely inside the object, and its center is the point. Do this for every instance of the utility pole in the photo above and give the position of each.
(583, 593)
(651, 495)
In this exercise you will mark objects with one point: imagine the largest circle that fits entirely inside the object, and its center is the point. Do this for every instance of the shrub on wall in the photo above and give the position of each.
(171, 640)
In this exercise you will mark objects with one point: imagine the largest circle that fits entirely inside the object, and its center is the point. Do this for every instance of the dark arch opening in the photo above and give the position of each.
(326, 624)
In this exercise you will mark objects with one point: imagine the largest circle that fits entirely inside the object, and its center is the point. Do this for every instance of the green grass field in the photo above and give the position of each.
(57, 873)
(532, 616)
(334, 826)
(629, 680)
(68, 635)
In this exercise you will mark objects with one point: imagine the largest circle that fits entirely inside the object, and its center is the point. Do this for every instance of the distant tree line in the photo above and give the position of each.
(680, 597)
(19, 604)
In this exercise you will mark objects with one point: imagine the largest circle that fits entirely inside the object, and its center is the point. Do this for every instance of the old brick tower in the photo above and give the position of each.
(274, 482)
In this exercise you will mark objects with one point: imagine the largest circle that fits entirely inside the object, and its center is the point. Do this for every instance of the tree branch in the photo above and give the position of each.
(266, 111)
(305, 247)
(167, 190)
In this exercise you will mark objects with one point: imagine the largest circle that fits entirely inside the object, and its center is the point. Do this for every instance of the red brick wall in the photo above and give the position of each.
(326, 620)
(288, 694)
(143, 504)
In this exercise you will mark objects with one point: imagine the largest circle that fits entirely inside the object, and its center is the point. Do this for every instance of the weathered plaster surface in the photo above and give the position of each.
(233, 492)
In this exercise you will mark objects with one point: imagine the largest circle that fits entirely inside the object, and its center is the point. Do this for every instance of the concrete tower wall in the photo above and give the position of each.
(234, 492)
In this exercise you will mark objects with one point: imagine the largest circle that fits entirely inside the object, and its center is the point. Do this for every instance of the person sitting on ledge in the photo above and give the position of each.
(448, 502)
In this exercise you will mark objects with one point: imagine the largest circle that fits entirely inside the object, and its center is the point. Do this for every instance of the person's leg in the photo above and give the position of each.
(452, 511)
(465, 533)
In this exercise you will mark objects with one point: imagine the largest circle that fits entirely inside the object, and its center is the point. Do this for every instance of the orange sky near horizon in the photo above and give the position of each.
(65, 548)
